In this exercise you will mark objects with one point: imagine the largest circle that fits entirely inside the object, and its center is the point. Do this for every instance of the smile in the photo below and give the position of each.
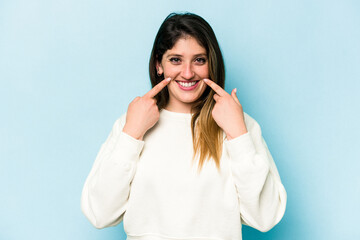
(188, 85)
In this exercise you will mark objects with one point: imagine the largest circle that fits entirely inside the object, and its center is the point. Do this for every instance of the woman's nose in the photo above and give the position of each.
(187, 72)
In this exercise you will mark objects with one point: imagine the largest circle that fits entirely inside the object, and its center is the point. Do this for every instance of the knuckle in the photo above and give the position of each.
(151, 101)
(147, 101)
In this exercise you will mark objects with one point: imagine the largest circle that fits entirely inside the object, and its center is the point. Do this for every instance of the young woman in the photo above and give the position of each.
(185, 161)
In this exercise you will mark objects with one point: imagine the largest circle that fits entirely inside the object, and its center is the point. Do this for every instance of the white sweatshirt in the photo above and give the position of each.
(152, 186)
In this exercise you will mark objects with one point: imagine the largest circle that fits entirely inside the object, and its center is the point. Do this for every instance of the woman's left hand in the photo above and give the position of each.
(227, 111)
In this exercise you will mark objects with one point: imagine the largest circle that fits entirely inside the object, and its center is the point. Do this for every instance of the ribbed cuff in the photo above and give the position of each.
(127, 147)
(131, 142)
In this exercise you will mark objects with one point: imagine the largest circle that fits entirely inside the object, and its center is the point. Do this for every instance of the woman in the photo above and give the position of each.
(145, 173)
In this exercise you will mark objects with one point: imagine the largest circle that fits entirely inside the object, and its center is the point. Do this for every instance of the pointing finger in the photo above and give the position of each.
(157, 88)
(215, 87)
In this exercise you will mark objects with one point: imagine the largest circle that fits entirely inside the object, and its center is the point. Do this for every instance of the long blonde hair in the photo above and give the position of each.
(206, 134)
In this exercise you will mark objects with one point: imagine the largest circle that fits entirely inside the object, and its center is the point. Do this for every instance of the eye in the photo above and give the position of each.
(201, 60)
(175, 60)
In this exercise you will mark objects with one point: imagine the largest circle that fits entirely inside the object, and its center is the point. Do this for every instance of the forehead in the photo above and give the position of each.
(186, 45)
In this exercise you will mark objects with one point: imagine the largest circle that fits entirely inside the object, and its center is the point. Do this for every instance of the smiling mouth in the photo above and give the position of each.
(187, 83)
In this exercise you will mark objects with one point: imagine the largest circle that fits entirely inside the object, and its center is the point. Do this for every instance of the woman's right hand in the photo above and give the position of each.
(143, 113)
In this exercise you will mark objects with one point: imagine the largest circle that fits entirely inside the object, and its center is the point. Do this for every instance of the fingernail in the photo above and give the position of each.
(206, 80)
(235, 90)
(168, 79)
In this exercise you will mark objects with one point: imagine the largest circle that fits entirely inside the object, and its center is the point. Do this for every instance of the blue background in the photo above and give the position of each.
(69, 69)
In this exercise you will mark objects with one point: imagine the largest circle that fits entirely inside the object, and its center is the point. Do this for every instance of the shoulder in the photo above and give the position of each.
(119, 123)
(122, 119)
(251, 124)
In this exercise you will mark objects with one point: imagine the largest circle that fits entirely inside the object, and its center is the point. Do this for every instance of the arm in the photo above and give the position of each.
(106, 190)
(262, 197)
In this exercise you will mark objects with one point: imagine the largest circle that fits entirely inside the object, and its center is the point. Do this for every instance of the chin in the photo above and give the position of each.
(189, 100)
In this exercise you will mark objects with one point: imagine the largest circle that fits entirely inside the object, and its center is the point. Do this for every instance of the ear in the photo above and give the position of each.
(159, 68)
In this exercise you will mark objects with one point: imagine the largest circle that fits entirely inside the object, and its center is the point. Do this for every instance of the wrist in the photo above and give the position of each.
(235, 134)
(132, 133)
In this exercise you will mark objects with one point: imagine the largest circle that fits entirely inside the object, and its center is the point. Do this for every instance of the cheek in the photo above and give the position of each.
(203, 87)
(205, 70)
(172, 86)
(170, 71)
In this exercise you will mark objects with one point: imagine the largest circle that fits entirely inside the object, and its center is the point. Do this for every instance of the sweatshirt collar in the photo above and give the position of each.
(175, 115)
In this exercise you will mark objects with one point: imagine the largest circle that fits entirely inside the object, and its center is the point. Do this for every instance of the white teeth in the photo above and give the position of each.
(187, 84)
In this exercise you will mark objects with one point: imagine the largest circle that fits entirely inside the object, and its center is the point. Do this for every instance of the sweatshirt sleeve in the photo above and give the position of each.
(106, 190)
(262, 196)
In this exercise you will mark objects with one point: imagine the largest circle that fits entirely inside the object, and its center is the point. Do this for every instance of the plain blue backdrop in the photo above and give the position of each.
(69, 69)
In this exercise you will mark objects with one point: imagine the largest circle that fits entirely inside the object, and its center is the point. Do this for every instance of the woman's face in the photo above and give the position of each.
(187, 64)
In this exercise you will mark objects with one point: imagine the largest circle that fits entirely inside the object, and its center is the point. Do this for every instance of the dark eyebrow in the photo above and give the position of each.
(178, 55)
(174, 55)
(200, 54)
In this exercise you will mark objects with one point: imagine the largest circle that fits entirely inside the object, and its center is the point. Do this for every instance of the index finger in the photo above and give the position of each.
(157, 88)
(219, 90)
